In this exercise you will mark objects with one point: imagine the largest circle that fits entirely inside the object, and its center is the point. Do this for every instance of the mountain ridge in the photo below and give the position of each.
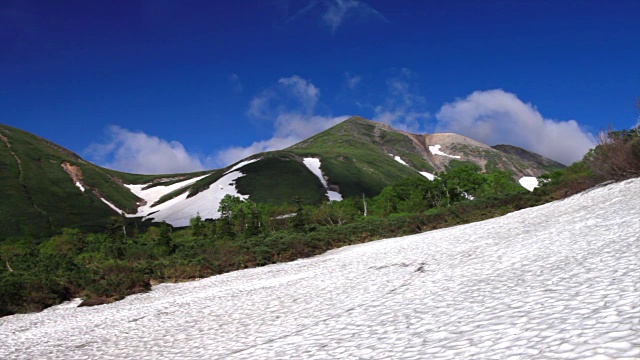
(49, 187)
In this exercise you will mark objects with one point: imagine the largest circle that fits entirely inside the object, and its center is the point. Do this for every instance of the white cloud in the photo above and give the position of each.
(140, 153)
(290, 106)
(403, 107)
(498, 117)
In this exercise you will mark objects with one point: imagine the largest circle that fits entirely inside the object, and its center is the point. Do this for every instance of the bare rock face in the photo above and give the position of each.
(74, 172)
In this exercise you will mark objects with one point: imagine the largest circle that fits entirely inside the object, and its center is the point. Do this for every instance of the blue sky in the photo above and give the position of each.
(159, 86)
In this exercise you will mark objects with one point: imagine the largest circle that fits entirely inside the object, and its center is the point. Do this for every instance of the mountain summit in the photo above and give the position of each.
(46, 187)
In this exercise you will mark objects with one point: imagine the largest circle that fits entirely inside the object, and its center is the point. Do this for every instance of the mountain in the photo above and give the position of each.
(47, 187)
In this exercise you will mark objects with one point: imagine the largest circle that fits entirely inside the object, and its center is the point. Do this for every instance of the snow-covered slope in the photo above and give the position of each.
(556, 281)
(179, 210)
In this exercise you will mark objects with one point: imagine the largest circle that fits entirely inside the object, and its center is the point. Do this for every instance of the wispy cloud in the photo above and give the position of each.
(236, 84)
(333, 13)
(338, 11)
(499, 117)
(404, 108)
(140, 153)
(290, 106)
(352, 80)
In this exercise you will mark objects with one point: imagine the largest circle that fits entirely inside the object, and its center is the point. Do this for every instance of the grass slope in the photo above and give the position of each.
(39, 197)
(280, 177)
(351, 159)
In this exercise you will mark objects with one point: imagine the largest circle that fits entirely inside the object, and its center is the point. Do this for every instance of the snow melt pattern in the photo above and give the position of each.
(313, 165)
(555, 281)
(428, 175)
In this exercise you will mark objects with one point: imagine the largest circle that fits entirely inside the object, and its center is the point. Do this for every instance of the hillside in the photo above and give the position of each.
(554, 281)
(47, 187)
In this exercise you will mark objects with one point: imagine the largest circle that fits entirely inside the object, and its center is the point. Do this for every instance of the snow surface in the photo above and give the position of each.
(80, 186)
(435, 150)
(556, 281)
(529, 182)
(429, 176)
(313, 165)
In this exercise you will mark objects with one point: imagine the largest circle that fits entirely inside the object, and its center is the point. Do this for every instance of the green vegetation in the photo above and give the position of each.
(277, 178)
(39, 195)
(351, 160)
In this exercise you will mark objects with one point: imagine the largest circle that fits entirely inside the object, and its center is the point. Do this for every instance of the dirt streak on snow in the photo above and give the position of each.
(555, 281)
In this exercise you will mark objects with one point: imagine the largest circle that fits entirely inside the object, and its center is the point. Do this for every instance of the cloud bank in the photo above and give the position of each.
(499, 117)
(139, 153)
(290, 106)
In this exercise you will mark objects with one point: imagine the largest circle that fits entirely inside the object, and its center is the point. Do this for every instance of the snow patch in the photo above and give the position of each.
(435, 150)
(80, 186)
(429, 176)
(399, 159)
(529, 182)
(334, 195)
(115, 208)
(313, 165)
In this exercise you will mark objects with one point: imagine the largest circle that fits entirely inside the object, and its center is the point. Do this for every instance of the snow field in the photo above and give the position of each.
(154, 194)
(556, 281)
(179, 210)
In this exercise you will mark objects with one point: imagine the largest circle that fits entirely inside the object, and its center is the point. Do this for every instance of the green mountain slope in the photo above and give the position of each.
(39, 193)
